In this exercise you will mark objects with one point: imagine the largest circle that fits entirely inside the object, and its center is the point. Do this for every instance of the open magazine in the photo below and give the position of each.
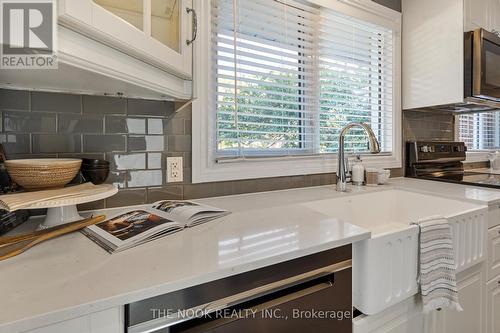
(143, 225)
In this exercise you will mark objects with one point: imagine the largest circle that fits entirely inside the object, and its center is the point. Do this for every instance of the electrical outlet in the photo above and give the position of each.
(174, 169)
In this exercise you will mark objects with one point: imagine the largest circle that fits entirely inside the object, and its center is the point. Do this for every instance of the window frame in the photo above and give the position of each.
(205, 168)
(474, 155)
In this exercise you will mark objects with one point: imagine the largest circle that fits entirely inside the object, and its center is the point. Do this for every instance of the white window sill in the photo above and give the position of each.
(287, 166)
(477, 156)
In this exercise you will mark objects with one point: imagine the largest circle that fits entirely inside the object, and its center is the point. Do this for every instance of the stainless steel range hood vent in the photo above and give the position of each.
(470, 105)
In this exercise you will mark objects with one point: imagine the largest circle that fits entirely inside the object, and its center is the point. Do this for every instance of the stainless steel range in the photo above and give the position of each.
(442, 161)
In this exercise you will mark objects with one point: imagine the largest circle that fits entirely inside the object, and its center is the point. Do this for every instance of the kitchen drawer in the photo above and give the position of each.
(320, 281)
(321, 307)
(493, 252)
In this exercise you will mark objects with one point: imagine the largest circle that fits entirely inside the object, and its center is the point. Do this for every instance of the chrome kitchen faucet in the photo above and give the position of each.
(341, 161)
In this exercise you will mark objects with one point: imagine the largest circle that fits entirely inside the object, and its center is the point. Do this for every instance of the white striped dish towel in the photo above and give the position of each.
(438, 286)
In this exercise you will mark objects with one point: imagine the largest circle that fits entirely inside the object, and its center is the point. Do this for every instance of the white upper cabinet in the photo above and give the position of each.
(432, 52)
(433, 47)
(477, 14)
(495, 15)
(482, 14)
(157, 32)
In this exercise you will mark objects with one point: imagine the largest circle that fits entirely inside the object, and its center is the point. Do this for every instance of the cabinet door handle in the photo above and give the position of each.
(195, 26)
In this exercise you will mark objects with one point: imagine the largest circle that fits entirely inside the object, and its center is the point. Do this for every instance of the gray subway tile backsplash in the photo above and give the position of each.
(145, 107)
(174, 192)
(155, 126)
(127, 161)
(39, 122)
(125, 125)
(14, 99)
(127, 197)
(77, 123)
(104, 143)
(187, 126)
(16, 143)
(146, 143)
(118, 178)
(145, 178)
(57, 143)
(136, 136)
(155, 161)
(178, 143)
(175, 126)
(128, 133)
(425, 125)
(104, 105)
(96, 156)
(55, 102)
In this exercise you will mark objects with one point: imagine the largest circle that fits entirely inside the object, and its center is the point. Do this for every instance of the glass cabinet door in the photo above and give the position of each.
(165, 24)
(131, 11)
(153, 31)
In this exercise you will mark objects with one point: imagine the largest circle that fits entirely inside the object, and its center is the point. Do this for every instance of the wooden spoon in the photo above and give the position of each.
(35, 234)
(14, 248)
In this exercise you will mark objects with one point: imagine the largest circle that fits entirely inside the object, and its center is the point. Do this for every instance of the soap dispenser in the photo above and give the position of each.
(358, 172)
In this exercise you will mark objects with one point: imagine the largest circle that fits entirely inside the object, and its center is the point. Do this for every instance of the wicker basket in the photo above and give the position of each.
(44, 173)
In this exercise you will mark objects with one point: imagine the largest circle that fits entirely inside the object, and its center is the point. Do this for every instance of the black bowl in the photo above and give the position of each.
(95, 176)
(94, 162)
(93, 167)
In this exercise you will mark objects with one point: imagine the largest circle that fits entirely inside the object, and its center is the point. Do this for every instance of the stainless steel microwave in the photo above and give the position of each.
(482, 68)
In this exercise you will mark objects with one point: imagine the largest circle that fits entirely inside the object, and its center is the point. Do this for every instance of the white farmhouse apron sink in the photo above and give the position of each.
(385, 266)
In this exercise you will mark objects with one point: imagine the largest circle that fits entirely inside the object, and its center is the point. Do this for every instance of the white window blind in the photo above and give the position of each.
(355, 60)
(480, 131)
(289, 76)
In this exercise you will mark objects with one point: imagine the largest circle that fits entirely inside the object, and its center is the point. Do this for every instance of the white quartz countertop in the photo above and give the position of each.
(71, 276)
(485, 170)
(483, 195)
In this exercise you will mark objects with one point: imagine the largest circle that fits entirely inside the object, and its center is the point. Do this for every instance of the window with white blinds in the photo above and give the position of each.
(288, 76)
(355, 72)
(480, 131)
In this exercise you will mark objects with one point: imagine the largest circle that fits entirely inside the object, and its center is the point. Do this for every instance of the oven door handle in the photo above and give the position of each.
(163, 322)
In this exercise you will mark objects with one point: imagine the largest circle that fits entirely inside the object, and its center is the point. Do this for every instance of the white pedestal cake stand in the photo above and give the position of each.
(63, 210)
